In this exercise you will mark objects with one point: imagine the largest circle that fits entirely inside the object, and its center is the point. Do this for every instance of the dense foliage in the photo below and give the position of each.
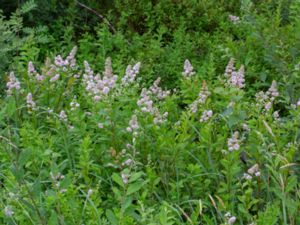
(202, 126)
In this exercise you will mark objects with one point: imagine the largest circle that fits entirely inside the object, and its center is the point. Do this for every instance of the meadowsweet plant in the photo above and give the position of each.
(12, 84)
(234, 19)
(79, 146)
(188, 70)
(266, 99)
(235, 78)
(30, 103)
(146, 103)
(131, 73)
(201, 99)
(96, 85)
(233, 143)
(206, 115)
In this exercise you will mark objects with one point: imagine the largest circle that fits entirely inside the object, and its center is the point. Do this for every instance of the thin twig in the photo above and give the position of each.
(99, 15)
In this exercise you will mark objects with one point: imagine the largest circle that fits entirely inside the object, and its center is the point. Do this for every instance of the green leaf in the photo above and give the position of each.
(10, 107)
(134, 187)
(135, 176)
(126, 203)
(111, 217)
(25, 155)
(28, 6)
(117, 178)
(292, 183)
(53, 218)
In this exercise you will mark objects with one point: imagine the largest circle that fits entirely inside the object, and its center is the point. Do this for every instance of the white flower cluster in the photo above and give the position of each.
(54, 78)
(230, 219)
(59, 64)
(125, 178)
(234, 19)
(63, 116)
(252, 171)
(158, 91)
(74, 104)
(188, 70)
(145, 101)
(57, 179)
(267, 98)
(13, 83)
(276, 116)
(235, 78)
(69, 61)
(127, 162)
(233, 143)
(32, 71)
(131, 73)
(97, 86)
(89, 193)
(206, 115)
(246, 127)
(30, 103)
(202, 96)
(53, 70)
(298, 103)
(8, 211)
(133, 124)
(146, 105)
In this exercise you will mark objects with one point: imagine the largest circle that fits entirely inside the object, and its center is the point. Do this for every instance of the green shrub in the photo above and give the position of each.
(95, 147)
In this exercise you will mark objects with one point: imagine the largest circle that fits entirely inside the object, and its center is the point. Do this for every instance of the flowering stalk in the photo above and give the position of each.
(267, 98)
(96, 86)
(131, 73)
(202, 97)
(235, 78)
(12, 84)
(146, 103)
(188, 70)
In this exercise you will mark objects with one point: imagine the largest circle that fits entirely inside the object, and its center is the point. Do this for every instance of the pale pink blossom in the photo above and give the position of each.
(63, 116)
(188, 70)
(235, 78)
(267, 98)
(234, 142)
(252, 170)
(31, 70)
(54, 78)
(97, 86)
(133, 124)
(12, 84)
(131, 73)
(125, 178)
(30, 103)
(39, 77)
(206, 115)
(231, 220)
(202, 97)
(234, 19)
(8, 211)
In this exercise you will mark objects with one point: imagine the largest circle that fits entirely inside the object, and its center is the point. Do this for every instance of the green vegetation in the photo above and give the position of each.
(150, 112)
